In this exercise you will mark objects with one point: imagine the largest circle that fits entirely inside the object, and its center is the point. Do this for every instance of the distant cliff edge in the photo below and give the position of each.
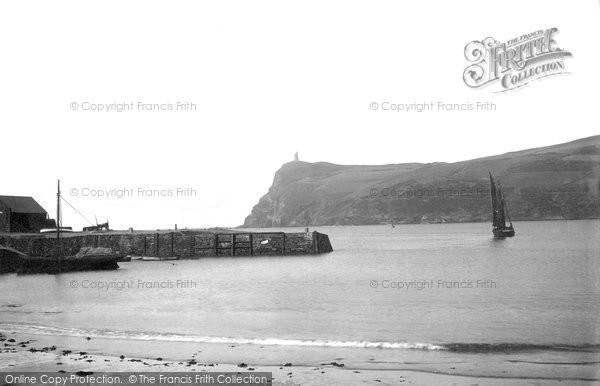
(553, 182)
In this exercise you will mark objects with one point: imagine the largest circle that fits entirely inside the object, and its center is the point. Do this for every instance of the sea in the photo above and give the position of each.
(399, 290)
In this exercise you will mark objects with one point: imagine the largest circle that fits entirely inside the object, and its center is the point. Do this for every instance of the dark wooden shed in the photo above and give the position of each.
(22, 215)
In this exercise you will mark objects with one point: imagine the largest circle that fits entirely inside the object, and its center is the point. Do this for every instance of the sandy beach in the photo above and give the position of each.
(22, 353)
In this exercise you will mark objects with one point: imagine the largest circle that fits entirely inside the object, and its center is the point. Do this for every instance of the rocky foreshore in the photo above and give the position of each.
(86, 355)
(26, 354)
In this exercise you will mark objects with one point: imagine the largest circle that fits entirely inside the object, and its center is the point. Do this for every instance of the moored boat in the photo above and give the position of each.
(87, 259)
(50, 265)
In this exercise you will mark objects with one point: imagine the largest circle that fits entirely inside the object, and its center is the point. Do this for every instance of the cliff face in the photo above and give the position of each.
(554, 182)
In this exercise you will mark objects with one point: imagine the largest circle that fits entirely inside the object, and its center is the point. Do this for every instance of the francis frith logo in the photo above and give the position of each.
(516, 62)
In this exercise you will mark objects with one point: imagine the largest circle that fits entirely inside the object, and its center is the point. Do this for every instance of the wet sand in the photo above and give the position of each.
(289, 366)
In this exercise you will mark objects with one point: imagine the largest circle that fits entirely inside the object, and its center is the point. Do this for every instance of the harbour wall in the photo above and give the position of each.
(183, 244)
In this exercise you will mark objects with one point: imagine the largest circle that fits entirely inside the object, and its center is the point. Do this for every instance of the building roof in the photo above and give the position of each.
(20, 204)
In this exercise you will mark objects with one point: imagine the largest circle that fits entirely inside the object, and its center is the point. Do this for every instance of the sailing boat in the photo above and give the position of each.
(87, 259)
(500, 212)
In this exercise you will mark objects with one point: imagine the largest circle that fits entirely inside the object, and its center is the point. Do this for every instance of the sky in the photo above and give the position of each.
(267, 78)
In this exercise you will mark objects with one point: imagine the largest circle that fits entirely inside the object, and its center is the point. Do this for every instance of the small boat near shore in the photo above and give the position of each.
(156, 258)
(88, 259)
(55, 230)
(50, 265)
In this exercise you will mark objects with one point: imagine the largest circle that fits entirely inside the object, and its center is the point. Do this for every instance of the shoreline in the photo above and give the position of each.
(51, 353)
(415, 223)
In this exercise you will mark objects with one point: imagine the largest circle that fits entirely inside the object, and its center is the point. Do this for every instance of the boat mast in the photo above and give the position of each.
(58, 227)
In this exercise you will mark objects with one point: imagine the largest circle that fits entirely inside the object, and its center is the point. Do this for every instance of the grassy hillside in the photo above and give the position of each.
(553, 182)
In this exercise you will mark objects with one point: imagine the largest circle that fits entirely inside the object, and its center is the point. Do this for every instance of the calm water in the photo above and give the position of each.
(543, 289)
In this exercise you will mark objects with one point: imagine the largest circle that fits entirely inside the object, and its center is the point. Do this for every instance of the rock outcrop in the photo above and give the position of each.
(553, 182)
